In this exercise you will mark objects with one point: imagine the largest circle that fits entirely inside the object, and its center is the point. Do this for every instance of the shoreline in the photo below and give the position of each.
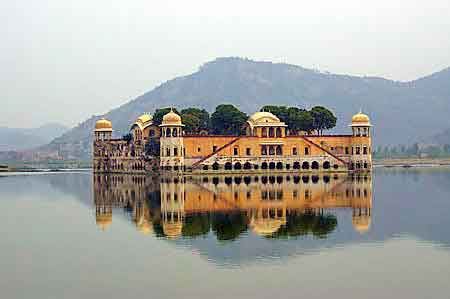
(381, 163)
(411, 162)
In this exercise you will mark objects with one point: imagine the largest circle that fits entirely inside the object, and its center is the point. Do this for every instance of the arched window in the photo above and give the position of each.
(264, 165)
(315, 165)
(271, 132)
(237, 166)
(326, 165)
(279, 150)
(263, 150)
(264, 132)
(205, 167)
(272, 165)
(279, 165)
(305, 165)
(278, 132)
(228, 166)
(271, 150)
(215, 166)
(175, 132)
(296, 165)
(247, 165)
(167, 132)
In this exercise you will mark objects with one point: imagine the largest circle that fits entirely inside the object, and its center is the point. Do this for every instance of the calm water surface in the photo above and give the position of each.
(75, 235)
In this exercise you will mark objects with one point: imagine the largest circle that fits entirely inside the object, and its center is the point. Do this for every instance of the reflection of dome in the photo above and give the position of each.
(172, 229)
(361, 223)
(144, 226)
(171, 118)
(103, 221)
(103, 125)
(266, 226)
(360, 119)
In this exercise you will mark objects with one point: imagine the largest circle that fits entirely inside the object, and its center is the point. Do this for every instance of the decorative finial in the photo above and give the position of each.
(360, 110)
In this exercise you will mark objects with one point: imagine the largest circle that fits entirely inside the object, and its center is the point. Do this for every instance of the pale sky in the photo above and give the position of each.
(63, 60)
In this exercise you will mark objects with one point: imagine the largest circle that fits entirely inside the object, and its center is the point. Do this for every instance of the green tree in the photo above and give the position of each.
(195, 119)
(324, 119)
(300, 120)
(297, 119)
(227, 120)
(279, 111)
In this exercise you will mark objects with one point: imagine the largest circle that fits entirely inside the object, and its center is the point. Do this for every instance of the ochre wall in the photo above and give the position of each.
(206, 143)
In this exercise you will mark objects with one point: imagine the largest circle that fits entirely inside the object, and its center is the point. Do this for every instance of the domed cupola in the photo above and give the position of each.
(171, 119)
(103, 130)
(360, 119)
(265, 124)
(360, 125)
(103, 125)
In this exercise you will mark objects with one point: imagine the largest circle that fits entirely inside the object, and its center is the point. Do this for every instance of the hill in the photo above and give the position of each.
(402, 112)
(17, 139)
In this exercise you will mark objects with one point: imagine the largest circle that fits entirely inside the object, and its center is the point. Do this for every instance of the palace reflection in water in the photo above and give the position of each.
(277, 206)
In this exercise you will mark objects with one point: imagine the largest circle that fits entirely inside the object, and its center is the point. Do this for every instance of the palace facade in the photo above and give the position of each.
(267, 145)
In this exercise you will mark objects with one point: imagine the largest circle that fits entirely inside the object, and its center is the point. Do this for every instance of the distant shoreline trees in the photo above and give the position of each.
(415, 150)
(227, 119)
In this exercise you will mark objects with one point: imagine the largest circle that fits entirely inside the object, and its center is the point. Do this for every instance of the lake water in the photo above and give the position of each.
(76, 235)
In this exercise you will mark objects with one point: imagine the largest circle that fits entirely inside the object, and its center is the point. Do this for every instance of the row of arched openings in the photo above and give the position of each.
(271, 165)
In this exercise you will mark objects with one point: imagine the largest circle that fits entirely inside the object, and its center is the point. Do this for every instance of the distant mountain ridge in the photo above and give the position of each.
(16, 139)
(401, 112)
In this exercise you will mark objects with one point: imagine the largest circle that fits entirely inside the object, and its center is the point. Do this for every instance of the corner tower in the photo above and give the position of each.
(103, 130)
(171, 143)
(361, 152)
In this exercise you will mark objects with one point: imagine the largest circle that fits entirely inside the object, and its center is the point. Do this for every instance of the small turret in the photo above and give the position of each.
(103, 130)
(171, 142)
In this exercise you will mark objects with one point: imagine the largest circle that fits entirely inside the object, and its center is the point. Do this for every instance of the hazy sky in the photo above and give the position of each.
(63, 60)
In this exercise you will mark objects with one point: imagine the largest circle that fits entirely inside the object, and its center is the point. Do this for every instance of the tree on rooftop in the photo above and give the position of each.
(297, 119)
(195, 119)
(227, 120)
(324, 119)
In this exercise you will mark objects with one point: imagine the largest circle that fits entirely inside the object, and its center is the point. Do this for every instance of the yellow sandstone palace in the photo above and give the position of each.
(265, 146)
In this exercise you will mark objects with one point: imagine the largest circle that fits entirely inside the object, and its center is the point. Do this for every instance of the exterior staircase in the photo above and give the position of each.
(325, 150)
(197, 164)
